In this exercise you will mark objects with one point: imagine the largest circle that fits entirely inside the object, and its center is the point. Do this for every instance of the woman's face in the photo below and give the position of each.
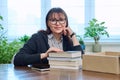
(57, 23)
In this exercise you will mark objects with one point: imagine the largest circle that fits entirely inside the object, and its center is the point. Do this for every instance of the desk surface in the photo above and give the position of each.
(9, 72)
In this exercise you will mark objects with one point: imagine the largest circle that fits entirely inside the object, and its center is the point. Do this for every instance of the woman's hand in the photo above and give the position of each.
(52, 49)
(67, 31)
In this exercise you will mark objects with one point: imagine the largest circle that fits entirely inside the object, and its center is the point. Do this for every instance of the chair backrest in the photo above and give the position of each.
(12, 61)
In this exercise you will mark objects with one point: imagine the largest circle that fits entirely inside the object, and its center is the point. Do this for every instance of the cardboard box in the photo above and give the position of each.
(108, 62)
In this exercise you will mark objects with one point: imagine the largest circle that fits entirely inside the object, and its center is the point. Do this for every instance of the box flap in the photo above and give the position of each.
(112, 53)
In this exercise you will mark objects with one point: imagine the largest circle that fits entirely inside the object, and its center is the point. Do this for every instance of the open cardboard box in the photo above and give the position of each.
(108, 62)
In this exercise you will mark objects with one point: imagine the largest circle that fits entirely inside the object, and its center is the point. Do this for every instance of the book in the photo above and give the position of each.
(65, 63)
(64, 58)
(71, 54)
(66, 67)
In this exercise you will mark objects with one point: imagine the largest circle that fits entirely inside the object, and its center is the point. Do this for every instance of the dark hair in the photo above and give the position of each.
(50, 12)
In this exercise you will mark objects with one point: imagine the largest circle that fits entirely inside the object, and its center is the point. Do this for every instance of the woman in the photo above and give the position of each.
(57, 37)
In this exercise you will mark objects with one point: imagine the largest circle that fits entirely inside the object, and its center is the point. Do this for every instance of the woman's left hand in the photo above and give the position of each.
(67, 31)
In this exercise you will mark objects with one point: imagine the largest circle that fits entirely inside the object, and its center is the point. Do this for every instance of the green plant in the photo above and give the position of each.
(1, 29)
(1, 18)
(95, 30)
(81, 41)
(24, 39)
(7, 49)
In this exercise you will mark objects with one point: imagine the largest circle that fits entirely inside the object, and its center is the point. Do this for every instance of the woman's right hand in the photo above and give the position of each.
(52, 49)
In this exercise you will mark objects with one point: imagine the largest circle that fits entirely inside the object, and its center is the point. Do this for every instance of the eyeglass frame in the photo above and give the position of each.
(55, 21)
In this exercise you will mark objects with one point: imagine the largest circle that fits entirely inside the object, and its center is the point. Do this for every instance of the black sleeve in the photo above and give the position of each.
(68, 45)
(28, 53)
(78, 48)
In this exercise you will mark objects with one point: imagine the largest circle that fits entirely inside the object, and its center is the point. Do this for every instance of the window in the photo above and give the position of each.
(75, 13)
(23, 17)
(28, 16)
(108, 11)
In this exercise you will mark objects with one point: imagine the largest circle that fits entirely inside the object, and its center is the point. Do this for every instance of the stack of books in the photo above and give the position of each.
(65, 60)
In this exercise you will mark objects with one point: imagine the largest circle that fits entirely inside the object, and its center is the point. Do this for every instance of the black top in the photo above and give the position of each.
(37, 44)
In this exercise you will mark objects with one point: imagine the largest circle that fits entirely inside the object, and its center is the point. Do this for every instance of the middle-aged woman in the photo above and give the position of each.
(57, 37)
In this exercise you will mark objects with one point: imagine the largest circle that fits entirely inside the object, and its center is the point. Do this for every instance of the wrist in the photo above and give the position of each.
(72, 34)
(44, 55)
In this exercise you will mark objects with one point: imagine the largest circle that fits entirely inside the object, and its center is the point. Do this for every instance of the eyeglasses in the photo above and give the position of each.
(54, 21)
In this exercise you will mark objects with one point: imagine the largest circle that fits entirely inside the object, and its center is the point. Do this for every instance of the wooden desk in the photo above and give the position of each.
(9, 72)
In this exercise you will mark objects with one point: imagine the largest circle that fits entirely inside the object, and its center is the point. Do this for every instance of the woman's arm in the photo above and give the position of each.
(68, 32)
(30, 52)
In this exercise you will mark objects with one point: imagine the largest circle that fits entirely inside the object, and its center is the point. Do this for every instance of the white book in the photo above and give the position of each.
(66, 67)
(65, 63)
(64, 58)
(70, 54)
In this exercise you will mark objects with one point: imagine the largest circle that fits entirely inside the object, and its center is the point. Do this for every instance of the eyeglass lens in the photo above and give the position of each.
(54, 21)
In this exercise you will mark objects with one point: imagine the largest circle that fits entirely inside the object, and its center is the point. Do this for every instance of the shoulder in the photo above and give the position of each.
(40, 34)
(38, 37)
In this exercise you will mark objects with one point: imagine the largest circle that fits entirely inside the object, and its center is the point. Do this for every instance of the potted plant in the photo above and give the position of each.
(81, 41)
(95, 30)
